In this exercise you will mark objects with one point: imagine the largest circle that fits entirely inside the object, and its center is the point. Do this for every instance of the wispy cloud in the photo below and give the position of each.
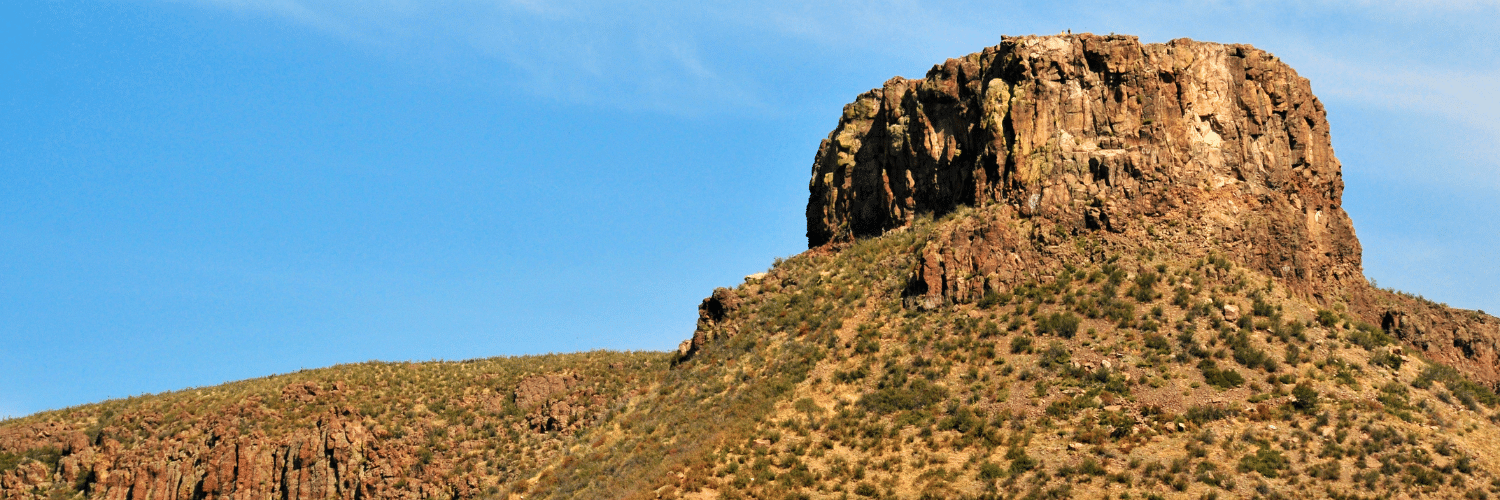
(1447, 103)
(1419, 6)
(684, 56)
(1465, 98)
(625, 55)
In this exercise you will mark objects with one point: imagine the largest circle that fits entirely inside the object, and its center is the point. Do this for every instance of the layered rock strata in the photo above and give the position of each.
(1097, 133)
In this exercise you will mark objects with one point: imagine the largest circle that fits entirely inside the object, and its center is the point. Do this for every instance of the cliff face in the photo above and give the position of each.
(1187, 148)
(1224, 143)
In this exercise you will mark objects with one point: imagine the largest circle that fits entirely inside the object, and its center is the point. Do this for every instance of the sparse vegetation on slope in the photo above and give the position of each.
(1151, 401)
(374, 430)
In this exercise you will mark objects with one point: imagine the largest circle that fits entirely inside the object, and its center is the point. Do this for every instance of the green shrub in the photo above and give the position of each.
(1290, 330)
(1328, 471)
(1327, 318)
(1201, 414)
(844, 377)
(916, 395)
(1387, 359)
(47, 455)
(1020, 462)
(1369, 337)
(962, 420)
(1250, 356)
(1259, 307)
(1145, 287)
(1307, 398)
(1206, 474)
(1181, 297)
(1091, 467)
(1423, 476)
(989, 471)
(1158, 343)
(1266, 461)
(1063, 324)
(1056, 355)
(1020, 345)
(1189, 343)
(992, 299)
(1223, 379)
(1066, 407)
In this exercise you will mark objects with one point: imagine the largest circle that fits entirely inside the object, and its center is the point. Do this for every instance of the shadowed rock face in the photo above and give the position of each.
(1101, 133)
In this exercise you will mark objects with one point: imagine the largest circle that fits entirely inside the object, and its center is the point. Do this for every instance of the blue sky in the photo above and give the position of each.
(198, 191)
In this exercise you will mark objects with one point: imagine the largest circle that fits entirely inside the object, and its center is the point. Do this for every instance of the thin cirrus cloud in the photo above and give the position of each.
(1464, 99)
(627, 56)
(1433, 58)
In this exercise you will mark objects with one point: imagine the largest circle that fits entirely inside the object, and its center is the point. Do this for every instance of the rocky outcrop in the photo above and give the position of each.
(538, 389)
(1223, 143)
(310, 441)
(1187, 148)
(556, 402)
(225, 456)
(981, 253)
(1466, 340)
(711, 314)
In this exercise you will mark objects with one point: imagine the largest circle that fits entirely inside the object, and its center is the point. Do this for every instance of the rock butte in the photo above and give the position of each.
(1187, 147)
(1088, 132)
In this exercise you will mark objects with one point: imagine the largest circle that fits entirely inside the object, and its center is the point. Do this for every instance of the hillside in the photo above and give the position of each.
(1067, 266)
